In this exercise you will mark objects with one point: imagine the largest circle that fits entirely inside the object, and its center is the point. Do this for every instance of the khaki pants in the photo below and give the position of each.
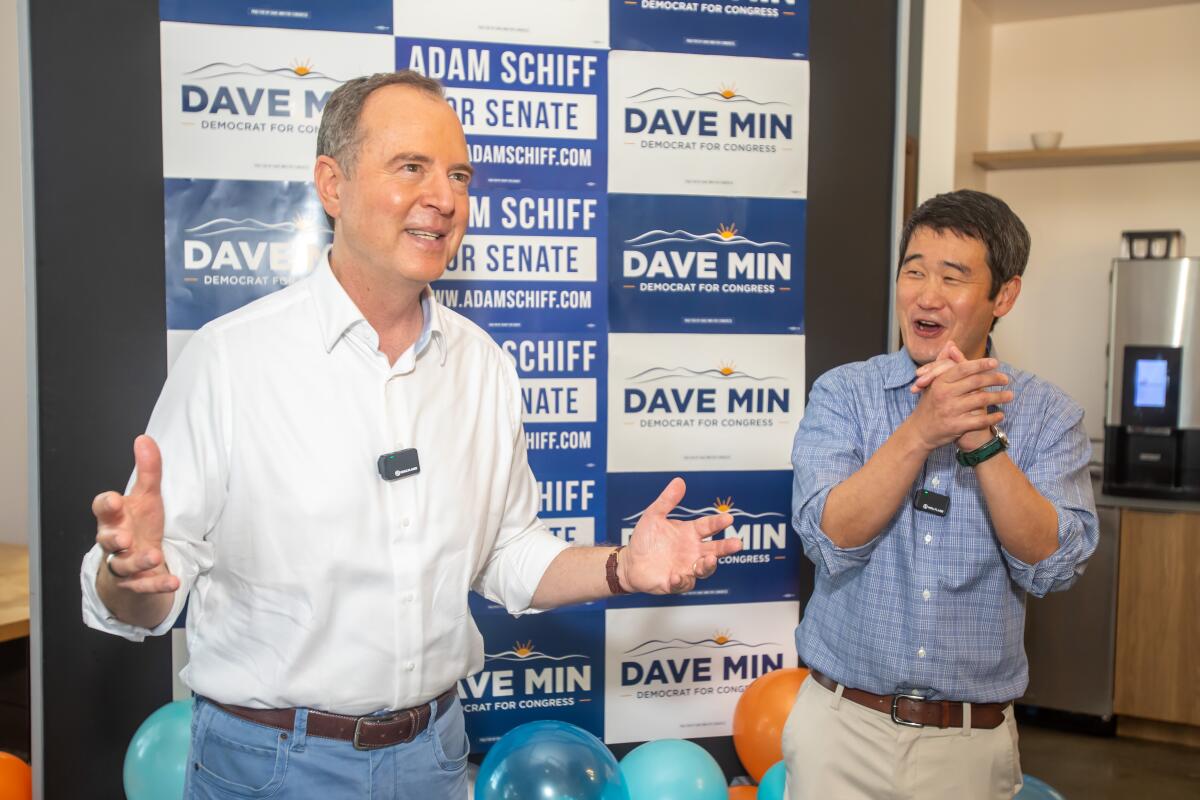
(838, 750)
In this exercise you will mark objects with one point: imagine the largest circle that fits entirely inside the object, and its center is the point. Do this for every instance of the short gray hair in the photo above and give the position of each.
(339, 136)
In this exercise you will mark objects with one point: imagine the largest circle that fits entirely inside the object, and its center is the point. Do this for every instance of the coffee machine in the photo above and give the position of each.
(1152, 421)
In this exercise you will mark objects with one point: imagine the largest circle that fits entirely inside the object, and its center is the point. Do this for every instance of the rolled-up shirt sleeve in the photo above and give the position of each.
(827, 450)
(190, 425)
(1058, 469)
(523, 547)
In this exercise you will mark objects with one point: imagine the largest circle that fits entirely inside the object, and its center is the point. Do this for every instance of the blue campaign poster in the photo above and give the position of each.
(533, 116)
(564, 397)
(361, 16)
(768, 564)
(539, 666)
(769, 28)
(531, 260)
(706, 264)
(230, 242)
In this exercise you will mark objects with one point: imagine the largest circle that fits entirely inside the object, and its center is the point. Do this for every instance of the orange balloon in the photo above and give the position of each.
(760, 715)
(16, 779)
(743, 792)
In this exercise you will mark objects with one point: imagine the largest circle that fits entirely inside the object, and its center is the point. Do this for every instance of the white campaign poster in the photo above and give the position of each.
(703, 402)
(707, 125)
(677, 672)
(245, 103)
(563, 23)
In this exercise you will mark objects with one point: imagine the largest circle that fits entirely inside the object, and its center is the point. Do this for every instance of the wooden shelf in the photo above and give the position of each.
(1157, 152)
(14, 591)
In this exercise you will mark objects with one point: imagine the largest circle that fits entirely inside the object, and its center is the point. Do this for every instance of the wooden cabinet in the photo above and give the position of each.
(1158, 617)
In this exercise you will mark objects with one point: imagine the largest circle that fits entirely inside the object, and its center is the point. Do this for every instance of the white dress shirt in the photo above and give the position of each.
(314, 582)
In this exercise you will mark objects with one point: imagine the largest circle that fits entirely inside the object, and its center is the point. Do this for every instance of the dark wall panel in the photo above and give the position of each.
(97, 154)
(849, 182)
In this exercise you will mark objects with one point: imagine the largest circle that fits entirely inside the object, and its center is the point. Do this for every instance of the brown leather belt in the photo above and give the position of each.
(917, 712)
(366, 733)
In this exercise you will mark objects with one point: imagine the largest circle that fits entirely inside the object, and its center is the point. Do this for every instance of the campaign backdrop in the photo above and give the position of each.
(635, 245)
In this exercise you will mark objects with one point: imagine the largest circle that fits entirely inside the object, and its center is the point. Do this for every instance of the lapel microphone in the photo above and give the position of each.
(398, 464)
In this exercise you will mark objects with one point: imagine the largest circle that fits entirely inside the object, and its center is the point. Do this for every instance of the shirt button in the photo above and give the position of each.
(921, 653)
(404, 522)
(925, 594)
(935, 481)
(408, 598)
(410, 666)
(928, 538)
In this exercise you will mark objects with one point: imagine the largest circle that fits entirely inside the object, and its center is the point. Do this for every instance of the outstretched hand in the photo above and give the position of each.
(667, 556)
(129, 528)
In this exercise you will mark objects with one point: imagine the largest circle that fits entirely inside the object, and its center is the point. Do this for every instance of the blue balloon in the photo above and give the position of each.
(673, 769)
(1037, 789)
(156, 761)
(549, 760)
(773, 783)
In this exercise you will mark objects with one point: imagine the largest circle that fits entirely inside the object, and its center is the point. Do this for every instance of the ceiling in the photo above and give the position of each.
(1021, 10)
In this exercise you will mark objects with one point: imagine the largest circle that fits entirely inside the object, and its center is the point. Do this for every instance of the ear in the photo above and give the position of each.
(328, 178)
(1006, 298)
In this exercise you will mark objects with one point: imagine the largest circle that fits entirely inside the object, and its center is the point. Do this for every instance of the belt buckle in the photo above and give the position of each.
(385, 718)
(896, 698)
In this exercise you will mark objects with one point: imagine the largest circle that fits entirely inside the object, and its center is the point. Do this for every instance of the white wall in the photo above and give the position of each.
(1127, 77)
(13, 455)
(939, 97)
(974, 72)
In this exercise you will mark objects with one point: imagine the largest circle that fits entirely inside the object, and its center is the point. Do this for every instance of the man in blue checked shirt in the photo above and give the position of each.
(934, 488)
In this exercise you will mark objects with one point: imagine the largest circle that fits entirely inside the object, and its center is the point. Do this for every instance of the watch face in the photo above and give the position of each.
(1001, 435)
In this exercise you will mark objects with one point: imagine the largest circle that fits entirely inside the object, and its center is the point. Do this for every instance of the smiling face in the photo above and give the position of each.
(942, 295)
(402, 211)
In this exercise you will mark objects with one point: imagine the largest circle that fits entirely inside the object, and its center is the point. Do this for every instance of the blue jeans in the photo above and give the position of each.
(234, 758)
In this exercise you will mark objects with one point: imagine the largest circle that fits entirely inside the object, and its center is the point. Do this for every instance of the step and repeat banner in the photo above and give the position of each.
(636, 245)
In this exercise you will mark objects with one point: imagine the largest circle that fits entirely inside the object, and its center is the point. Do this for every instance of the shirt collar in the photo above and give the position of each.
(900, 370)
(337, 314)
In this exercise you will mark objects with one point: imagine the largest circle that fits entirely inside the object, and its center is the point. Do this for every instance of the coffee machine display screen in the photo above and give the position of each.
(1150, 390)
(1150, 383)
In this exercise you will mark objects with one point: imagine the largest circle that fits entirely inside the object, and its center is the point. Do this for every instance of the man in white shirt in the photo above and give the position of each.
(328, 623)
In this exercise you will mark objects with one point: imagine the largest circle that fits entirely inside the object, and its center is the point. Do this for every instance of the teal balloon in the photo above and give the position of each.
(1037, 789)
(673, 769)
(549, 760)
(156, 761)
(773, 783)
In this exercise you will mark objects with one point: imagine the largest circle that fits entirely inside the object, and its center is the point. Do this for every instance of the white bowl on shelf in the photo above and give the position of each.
(1046, 140)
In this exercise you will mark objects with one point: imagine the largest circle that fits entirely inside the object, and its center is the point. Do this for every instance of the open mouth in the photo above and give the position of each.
(928, 328)
(428, 235)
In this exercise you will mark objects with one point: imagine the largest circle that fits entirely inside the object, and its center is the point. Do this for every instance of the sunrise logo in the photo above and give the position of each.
(724, 371)
(298, 69)
(222, 226)
(725, 234)
(722, 95)
(719, 506)
(720, 640)
(525, 651)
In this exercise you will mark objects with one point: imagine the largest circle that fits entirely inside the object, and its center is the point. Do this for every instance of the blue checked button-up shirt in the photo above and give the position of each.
(932, 605)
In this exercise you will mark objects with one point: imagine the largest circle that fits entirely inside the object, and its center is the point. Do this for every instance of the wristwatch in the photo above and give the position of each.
(973, 458)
